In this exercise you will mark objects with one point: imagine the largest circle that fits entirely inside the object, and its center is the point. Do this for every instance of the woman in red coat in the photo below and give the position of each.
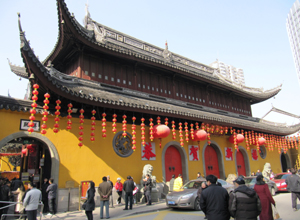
(119, 188)
(265, 197)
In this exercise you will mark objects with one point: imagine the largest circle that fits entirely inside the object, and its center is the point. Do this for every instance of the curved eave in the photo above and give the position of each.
(19, 105)
(18, 70)
(85, 36)
(94, 93)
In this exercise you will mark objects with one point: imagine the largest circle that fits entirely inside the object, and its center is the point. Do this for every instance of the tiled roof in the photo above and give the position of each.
(106, 37)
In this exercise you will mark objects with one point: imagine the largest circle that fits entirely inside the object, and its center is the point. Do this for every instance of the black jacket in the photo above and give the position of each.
(214, 203)
(51, 190)
(148, 185)
(5, 192)
(90, 204)
(244, 203)
(128, 186)
(44, 190)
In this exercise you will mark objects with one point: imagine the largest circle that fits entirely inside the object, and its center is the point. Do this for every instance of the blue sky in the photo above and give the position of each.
(246, 34)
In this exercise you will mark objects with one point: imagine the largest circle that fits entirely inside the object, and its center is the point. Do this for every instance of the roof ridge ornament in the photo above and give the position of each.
(168, 56)
(87, 18)
(22, 33)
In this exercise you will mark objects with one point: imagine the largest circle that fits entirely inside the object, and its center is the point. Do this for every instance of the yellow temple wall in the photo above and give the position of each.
(96, 159)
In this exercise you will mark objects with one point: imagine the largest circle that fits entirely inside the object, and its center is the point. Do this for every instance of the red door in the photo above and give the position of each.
(240, 162)
(211, 161)
(172, 162)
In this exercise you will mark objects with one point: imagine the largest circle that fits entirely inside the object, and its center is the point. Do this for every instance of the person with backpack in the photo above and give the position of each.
(244, 203)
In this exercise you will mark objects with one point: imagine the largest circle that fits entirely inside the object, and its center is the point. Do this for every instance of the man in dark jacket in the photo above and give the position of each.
(45, 195)
(244, 203)
(293, 185)
(148, 188)
(214, 200)
(5, 191)
(128, 187)
(51, 190)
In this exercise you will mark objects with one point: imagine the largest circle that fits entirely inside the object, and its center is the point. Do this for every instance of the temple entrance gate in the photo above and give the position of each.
(240, 163)
(172, 162)
(211, 161)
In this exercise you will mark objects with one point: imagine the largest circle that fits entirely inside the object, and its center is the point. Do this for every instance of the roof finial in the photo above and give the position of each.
(166, 45)
(87, 16)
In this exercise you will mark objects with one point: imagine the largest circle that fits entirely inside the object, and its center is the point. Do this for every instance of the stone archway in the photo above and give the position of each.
(246, 160)
(220, 158)
(184, 162)
(53, 152)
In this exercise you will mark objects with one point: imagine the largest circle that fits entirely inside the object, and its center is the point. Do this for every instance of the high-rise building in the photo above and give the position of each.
(236, 75)
(293, 29)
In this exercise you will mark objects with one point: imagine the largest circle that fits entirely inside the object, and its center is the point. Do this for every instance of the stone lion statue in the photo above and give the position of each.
(148, 168)
(231, 178)
(267, 170)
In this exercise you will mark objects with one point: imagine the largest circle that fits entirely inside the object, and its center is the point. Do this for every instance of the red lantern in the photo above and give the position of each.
(143, 131)
(166, 121)
(33, 105)
(151, 129)
(114, 125)
(173, 130)
(240, 138)
(161, 131)
(158, 120)
(124, 126)
(200, 135)
(261, 141)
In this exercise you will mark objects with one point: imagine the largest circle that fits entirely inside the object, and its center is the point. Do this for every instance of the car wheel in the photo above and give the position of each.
(273, 191)
(197, 204)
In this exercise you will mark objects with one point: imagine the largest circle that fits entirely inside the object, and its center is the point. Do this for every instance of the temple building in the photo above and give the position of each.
(106, 103)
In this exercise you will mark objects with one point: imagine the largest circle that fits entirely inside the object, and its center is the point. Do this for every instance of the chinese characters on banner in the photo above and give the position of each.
(193, 153)
(254, 154)
(148, 151)
(228, 153)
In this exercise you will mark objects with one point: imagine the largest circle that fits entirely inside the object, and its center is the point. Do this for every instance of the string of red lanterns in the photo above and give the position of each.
(45, 113)
(57, 113)
(114, 125)
(186, 132)
(81, 121)
(143, 131)
(103, 125)
(33, 111)
(124, 126)
(151, 129)
(173, 130)
(133, 127)
(69, 116)
(180, 134)
(93, 123)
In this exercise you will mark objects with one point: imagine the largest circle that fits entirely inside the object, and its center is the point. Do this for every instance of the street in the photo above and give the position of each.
(159, 211)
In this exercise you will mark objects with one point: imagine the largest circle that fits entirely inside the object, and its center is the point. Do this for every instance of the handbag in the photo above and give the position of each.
(84, 204)
(275, 212)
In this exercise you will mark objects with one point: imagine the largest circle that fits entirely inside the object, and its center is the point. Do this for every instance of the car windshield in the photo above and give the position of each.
(192, 185)
(250, 180)
(223, 182)
(281, 176)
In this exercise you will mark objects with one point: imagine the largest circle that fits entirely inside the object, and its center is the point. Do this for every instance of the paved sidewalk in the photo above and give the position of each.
(114, 213)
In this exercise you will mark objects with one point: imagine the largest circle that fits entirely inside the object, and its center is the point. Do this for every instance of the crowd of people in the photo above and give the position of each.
(27, 201)
(105, 191)
(243, 202)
